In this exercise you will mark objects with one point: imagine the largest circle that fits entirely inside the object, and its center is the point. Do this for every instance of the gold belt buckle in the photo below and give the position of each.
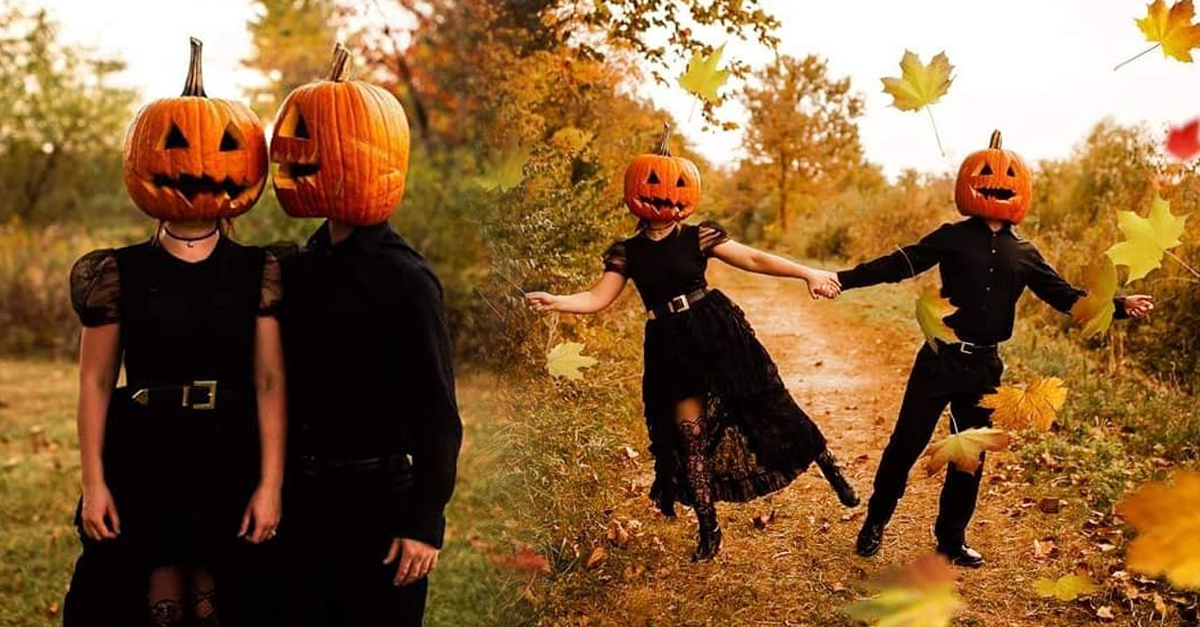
(211, 386)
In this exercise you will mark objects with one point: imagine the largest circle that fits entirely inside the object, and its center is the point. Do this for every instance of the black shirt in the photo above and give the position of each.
(369, 364)
(665, 268)
(983, 273)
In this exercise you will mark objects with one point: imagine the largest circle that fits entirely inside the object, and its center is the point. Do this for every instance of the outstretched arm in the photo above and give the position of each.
(599, 297)
(820, 282)
(1049, 286)
(905, 263)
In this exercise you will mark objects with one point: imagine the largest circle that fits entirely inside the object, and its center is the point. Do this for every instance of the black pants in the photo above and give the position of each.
(949, 377)
(337, 531)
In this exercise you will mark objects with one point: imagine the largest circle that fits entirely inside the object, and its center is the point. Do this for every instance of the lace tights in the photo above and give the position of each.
(182, 597)
(689, 420)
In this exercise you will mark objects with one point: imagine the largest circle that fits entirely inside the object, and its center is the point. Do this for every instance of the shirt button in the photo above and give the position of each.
(993, 251)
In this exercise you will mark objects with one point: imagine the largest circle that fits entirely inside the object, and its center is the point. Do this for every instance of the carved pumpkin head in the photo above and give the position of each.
(661, 187)
(195, 157)
(342, 150)
(994, 183)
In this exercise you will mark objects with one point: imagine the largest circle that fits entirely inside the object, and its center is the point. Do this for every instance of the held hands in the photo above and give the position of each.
(261, 516)
(1139, 305)
(543, 301)
(417, 560)
(100, 520)
(823, 284)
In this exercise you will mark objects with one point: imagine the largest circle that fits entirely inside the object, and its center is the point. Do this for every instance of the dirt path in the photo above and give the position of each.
(801, 569)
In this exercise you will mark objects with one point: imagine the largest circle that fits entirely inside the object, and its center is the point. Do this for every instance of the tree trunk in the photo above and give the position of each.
(783, 195)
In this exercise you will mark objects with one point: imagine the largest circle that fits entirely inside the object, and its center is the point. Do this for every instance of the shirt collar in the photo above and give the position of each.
(364, 238)
(982, 224)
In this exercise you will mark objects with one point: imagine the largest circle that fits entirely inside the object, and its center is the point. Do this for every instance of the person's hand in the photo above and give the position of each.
(416, 560)
(261, 516)
(1139, 305)
(100, 519)
(543, 301)
(823, 284)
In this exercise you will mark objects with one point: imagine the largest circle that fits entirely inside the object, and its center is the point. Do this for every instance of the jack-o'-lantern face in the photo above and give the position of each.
(342, 150)
(194, 157)
(994, 183)
(659, 186)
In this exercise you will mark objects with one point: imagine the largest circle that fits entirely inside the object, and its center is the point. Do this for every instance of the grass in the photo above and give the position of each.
(39, 481)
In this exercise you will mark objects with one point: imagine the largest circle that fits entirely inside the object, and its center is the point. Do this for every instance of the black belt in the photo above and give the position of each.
(967, 348)
(199, 395)
(313, 465)
(678, 304)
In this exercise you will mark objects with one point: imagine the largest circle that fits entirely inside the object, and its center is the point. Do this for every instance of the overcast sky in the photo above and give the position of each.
(1039, 70)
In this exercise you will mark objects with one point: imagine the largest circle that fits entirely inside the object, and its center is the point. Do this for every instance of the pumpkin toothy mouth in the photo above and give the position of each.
(192, 186)
(995, 193)
(289, 172)
(662, 203)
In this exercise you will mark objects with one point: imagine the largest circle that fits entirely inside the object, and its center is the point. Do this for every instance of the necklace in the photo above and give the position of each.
(190, 241)
(650, 229)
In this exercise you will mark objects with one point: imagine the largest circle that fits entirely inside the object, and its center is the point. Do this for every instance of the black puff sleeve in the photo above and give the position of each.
(614, 259)
(96, 288)
(711, 235)
(271, 298)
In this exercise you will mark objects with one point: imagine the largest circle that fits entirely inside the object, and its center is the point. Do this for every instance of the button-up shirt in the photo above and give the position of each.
(983, 274)
(369, 364)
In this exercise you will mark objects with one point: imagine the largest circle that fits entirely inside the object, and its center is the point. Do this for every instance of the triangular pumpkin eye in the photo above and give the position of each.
(1011, 172)
(987, 170)
(681, 182)
(653, 180)
(175, 138)
(302, 129)
(230, 140)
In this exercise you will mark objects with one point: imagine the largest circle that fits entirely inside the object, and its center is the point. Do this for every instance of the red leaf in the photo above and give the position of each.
(1183, 142)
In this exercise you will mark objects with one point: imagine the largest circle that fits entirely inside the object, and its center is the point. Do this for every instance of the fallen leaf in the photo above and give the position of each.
(1172, 29)
(919, 85)
(633, 571)
(506, 170)
(565, 361)
(1167, 519)
(618, 534)
(932, 311)
(920, 595)
(702, 77)
(1066, 588)
(629, 452)
(1104, 612)
(964, 448)
(596, 558)
(1050, 505)
(525, 559)
(1183, 142)
(761, 521)
(1035, 405)
(1044, 548)
(1146, 239)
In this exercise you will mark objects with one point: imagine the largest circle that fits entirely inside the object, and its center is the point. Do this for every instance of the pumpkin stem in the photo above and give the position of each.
(194, 86)
(341, 58)
(664, 148)
(995, 143)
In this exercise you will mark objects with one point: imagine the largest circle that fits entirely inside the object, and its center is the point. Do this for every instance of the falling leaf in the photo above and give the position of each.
(1146, 239)
(1066, 588)
(507, 170)
(919, 85)
(1183, 142)
(1167, 519)
(1035, 405)
(921, 595)
(1095, 311)
(565, 361)
(964, 448)
(596, 558)
(1172, 29)
(932, 311)
(702, 77)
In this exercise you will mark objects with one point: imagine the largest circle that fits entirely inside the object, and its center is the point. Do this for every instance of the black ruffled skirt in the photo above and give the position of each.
(756, 437)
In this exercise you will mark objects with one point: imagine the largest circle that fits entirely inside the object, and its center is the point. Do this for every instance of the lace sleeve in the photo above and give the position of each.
(614, 259)
(272, 286)
(711, 235)
(96, 288)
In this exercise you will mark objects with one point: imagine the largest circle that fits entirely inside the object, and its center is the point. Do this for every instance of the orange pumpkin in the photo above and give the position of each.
(342, 149)
(659, 186)
(195, 157)
(994, 183)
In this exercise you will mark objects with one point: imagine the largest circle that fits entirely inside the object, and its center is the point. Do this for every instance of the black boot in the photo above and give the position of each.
(710, 536)
(870, 538)
(833, 474)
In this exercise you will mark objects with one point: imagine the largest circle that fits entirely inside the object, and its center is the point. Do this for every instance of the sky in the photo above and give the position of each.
(1041, 71)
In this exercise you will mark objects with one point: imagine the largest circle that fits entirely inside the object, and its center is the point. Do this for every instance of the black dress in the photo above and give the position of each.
(180, 477)
(755, 437)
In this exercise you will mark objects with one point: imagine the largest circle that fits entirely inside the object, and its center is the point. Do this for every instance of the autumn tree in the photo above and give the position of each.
(802, 128)
(291, 44)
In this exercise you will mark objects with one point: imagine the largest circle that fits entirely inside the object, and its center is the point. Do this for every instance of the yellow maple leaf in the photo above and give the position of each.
(920, 595)
(932, 311)
(1066, 588)
(919, 85)
(1095, 311)
(565, 360)
(702, 77)
(1172, 29)
(1167, 519)
(1036, 404)
(1146, 239)
(964, 448)
(506, 170)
